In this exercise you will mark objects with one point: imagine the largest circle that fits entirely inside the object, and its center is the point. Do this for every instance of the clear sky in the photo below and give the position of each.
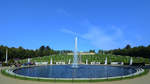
(99, 24)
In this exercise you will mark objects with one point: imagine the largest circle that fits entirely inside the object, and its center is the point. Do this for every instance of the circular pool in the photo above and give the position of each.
(83, 71)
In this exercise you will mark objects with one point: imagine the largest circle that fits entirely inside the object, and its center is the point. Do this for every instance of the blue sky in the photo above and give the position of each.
(99, 24)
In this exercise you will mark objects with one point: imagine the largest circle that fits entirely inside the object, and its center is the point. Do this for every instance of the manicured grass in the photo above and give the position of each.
(146, 71)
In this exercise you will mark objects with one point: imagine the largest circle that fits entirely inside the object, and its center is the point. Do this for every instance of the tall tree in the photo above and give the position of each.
(128, 46)
(92, 51)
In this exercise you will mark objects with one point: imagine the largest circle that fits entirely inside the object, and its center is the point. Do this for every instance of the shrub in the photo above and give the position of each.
(5, 64)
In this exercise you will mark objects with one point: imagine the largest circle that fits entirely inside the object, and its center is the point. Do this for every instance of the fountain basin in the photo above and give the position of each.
(66, 72)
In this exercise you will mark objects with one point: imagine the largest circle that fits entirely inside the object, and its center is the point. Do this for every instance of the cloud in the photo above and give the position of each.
(104, 38)
(109, 37)
(67, 31)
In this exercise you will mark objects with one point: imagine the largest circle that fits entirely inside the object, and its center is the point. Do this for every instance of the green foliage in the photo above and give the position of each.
(92, 51)
(21, 53)
(128, 47)
(139, 51)
(11, 61)
(5, 64)
(45, 53)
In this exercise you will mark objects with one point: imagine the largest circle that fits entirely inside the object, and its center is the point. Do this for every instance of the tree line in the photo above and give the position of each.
(21, 53)
(138, 51)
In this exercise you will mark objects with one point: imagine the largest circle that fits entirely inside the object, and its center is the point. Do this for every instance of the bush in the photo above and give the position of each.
(5, 64)
(11, 61)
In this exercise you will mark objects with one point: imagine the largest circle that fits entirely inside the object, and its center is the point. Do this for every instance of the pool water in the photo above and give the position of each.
(83, 71)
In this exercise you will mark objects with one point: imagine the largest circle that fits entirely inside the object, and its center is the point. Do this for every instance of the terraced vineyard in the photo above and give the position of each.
(91, 58)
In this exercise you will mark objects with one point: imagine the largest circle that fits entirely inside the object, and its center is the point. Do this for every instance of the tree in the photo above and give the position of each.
(127, 47)
(22, 53)
(92, 51)
(41, 50)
